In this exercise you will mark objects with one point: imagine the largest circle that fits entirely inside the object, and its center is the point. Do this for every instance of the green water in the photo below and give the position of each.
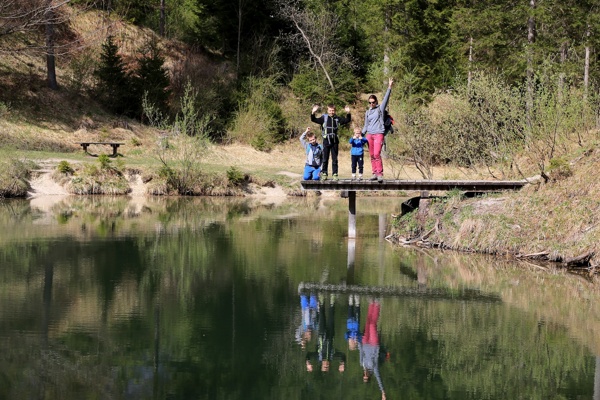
(113, 298)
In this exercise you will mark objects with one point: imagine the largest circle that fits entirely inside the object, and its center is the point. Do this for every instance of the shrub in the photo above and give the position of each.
(236, 177)
(14, 176)
(4, 109)
(65, 168)
(181, 170)
(260, 120)
(559, 169)
(104, 161)
(82, 69)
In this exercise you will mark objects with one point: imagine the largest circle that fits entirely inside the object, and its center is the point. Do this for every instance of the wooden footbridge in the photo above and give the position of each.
(348, 188)
(397, 184)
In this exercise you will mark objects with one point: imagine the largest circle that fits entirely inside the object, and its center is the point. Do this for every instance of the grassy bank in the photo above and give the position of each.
(557, 220)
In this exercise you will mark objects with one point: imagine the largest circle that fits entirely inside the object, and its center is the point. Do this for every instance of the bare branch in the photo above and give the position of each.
(316, 33)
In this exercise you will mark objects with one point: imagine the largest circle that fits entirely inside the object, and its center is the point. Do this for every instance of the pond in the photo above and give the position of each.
(199, 298)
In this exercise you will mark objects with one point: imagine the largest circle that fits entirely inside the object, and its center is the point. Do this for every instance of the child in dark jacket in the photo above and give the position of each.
(357, 152)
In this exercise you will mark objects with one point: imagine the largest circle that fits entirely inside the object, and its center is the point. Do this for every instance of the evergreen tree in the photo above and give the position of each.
(151, 78)
(114, 83)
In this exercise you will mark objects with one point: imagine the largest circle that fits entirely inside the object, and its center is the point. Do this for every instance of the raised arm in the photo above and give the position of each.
(386, 98)
(345, 120)
(313, 118)
(303, 141)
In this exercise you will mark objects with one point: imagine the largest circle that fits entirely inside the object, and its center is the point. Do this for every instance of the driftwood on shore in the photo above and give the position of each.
(579, 261)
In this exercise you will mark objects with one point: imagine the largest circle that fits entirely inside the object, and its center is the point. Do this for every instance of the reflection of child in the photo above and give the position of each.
(357, 152)
(369, 349)
(309, 306)
(325, 352)
(353, 335)
(314, 155)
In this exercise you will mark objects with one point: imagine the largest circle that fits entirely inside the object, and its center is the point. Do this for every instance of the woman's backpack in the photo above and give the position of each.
(388, 123)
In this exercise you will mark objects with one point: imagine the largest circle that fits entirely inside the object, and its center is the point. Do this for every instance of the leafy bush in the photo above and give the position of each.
(4, 109)
(180, 169)
(559, 169)
(81, 69)
(14, 176)
(236, 177)
(64, 167)
(260, 120)
(104, 161)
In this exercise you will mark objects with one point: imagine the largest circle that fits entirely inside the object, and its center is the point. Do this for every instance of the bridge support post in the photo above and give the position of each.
(351, 214)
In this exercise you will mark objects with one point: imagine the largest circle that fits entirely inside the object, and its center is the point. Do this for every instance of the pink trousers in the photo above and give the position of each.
(370, 336)
(375, 145)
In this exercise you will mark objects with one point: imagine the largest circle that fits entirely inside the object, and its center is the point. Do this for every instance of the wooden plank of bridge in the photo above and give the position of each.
(349, 187)
(398, 184)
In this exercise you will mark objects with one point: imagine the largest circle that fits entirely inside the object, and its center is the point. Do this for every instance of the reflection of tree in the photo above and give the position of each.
(487, 348)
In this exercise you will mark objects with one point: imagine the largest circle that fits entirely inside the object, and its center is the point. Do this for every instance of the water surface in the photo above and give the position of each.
(114, 298)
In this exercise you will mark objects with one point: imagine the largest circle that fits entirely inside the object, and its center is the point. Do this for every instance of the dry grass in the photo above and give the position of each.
(560, 218)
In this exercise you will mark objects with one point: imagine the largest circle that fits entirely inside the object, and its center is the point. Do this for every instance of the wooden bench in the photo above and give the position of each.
(114, 145)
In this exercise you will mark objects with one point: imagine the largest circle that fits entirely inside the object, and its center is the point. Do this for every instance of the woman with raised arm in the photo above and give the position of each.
(374, 130)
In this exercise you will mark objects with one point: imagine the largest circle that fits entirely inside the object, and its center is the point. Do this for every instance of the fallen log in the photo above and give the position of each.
(579, 261)
(536, 256)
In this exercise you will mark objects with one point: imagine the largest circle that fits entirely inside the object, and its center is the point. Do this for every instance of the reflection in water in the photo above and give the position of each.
(371, 352)
(325, 350)
(198, 298)
(309, 306)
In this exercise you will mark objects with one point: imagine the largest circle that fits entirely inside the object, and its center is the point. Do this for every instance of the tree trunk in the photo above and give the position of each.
(470, 74)
(161, 24)
(586, 67)
(530, 42)
(239, 38)
(562, 75)
(50, 58)
(386, 51)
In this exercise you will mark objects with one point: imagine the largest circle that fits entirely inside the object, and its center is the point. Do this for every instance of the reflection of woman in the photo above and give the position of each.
(374, 129)
(369, 349)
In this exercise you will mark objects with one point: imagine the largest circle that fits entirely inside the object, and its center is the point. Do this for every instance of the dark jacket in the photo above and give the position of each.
(329, 126)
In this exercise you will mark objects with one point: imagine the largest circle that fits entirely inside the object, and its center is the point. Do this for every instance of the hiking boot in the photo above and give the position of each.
(380, 178)
(323, 176)
(360, 177)
(373, 178)
(335, 177)
(353, 176)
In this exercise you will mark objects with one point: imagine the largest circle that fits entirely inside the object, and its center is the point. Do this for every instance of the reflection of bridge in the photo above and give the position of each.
(351, 186)
(390, 291)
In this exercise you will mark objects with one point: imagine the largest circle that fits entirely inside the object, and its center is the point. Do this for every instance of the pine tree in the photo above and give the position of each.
(114, 83)
(151, 77)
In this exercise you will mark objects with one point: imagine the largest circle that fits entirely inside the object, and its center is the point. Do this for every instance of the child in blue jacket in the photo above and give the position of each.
(314, 155)
(357, 153)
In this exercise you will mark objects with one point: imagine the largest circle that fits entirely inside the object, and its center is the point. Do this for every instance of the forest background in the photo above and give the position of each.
(506, 89)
